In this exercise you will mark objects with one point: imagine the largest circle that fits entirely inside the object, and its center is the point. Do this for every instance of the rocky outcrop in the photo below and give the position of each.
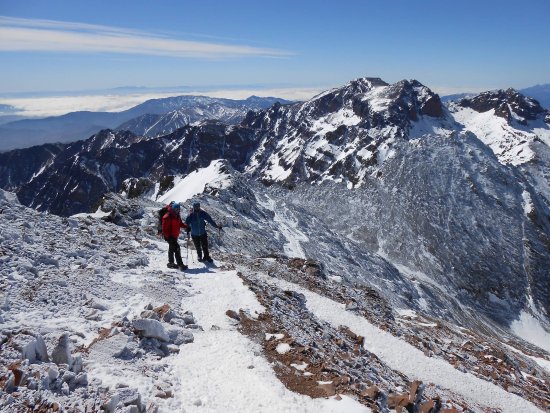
(339, 134)
(508, 104)
(20, 166)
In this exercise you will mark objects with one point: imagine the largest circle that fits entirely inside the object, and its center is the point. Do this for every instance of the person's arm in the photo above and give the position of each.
(183, 224)
(210, 220)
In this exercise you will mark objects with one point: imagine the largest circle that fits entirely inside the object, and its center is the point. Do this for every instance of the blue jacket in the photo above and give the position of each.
(197, 222)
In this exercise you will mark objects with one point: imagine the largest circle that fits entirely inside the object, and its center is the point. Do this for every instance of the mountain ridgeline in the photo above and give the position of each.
(444, 208)
(151, 118)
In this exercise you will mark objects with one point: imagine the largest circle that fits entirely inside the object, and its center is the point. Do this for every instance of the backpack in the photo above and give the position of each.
(160, 213)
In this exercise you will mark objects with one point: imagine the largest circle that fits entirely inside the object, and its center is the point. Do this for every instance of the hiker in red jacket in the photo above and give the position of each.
(171, 224)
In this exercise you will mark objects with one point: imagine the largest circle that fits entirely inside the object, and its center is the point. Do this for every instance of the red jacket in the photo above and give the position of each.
(171, 224)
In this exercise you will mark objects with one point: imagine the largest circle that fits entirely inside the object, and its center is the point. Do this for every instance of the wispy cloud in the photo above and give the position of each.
(18, 34)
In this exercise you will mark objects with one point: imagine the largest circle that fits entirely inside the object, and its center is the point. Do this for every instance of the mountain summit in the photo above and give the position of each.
(340, 134)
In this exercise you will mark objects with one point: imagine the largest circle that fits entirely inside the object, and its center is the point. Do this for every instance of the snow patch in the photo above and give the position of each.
(195, 182)
(406, 313)
(528, 206)
(275, 336)
(530, 329)
(283, 348)
(300, 367)
(510, 145)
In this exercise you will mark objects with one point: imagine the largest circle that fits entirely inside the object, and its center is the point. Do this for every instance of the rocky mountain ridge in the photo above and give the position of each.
(340, 134)
(390, 154)
(142, 119)
(508, 104)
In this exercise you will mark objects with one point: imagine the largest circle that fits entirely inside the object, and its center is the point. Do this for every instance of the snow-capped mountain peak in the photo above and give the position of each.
(508, 104)
(514, 126)
(337, 134)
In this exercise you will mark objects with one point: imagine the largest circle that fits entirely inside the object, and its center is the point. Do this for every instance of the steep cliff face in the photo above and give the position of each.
(508, 104)
(78, 176)
(342, 134)
(20, 166)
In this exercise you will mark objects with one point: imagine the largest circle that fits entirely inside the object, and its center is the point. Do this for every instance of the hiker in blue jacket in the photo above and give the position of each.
(196, 222)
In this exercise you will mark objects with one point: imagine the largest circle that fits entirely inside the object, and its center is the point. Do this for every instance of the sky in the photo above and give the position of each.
(282, 46)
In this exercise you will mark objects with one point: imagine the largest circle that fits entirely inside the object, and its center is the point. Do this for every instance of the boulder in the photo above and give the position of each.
(233, 314)
(151, 329)
(61, 354)
(180, 336)
(34, 349)
(130, 397)
(371, 392)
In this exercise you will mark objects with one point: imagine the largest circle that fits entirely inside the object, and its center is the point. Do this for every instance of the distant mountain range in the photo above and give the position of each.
(541, 93)
(146, 118)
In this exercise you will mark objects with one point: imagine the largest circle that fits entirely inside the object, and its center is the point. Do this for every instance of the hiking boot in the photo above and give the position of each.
(182, 267)
(210, 260)
(171, 265)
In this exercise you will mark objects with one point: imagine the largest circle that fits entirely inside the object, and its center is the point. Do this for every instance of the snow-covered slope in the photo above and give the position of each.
(507, 122)
(215, 175)
(515, 127)
(93, 321)
(82, 172)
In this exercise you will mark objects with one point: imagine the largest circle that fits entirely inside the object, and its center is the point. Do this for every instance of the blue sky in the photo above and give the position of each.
(450, 46)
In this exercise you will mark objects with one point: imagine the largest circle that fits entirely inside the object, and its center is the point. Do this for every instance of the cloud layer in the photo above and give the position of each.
(60, 105)
(18, 34)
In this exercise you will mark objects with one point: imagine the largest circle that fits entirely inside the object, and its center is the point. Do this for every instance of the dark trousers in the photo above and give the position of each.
(201, 245)
(174, 249)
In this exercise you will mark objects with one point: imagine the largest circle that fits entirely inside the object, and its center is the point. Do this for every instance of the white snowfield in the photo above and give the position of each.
(222, 370)
(530, 329)
(194, 183)
(407, 359)
(510, 143)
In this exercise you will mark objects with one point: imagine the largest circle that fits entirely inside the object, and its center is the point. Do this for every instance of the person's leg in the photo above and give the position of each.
(177, 252)
(197, 242)
(170, 251)
(204, 243)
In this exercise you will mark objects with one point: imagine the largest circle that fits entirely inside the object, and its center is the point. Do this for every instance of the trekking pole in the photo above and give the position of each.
(192, 257)
(187, 257)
